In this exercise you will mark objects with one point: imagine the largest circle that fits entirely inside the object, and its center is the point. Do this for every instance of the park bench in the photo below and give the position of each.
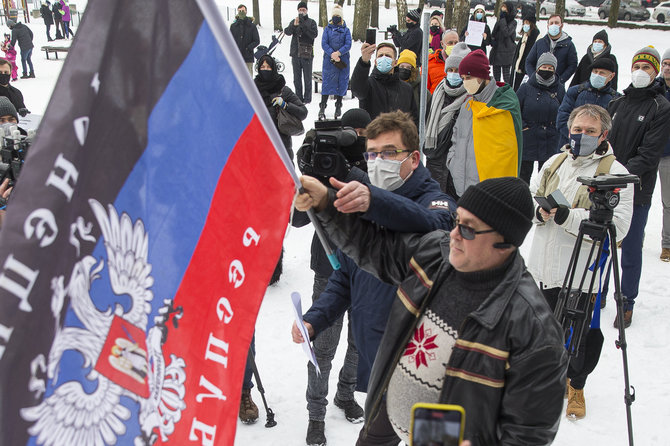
(55, 50)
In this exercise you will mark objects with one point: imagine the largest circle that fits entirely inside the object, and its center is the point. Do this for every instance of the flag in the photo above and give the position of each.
(141, 236)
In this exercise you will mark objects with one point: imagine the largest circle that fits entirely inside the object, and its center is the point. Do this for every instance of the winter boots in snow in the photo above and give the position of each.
(248, 409)
(315, 433)
(352, 411)
(665, 254)
(576, 405)
(627, 319)
(338, 107)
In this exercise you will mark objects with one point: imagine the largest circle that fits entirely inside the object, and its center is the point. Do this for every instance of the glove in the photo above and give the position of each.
(279, 102)
(538, 214)
(23, 111)
(561, 215)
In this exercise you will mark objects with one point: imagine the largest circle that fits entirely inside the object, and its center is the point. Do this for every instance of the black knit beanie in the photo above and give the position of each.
(7, 108)
(356, 118)
(602, 35)
(504, 204)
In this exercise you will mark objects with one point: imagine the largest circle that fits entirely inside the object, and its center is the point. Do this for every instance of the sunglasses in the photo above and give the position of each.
(468, 232)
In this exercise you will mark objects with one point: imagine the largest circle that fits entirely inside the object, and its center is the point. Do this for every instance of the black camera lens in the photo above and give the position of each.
(324, 162)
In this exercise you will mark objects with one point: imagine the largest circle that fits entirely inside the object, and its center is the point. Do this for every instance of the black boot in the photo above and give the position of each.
(322, 108)
(338, 107)
(315, 433)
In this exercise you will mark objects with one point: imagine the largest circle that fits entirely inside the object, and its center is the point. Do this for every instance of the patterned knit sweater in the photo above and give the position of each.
(419, 375)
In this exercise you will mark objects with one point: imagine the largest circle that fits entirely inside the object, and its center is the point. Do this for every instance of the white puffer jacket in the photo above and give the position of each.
(553, 244)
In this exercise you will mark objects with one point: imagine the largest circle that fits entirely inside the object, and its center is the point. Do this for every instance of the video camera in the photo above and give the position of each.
(324, 152)
(13, 150)
(604, 194)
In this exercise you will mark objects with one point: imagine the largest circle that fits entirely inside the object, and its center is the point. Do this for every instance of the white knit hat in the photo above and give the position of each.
(337, 11)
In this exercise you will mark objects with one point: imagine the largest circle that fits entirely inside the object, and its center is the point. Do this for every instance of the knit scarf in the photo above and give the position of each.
(270, 89)
(440, 116)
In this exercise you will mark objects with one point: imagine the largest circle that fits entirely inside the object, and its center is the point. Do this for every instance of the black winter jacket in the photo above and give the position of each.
(47, 15)
(565, 53)
(381, 93)
(508, 367)
(639, 133)
(246, 37)
(503, 44)
(411, 40)
(24, 36)
(583, 72)
(305, 33)
(14, 95)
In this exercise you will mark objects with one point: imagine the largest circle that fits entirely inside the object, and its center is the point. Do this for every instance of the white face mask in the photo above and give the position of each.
(472, 85)
(385, 174)
(640, 79)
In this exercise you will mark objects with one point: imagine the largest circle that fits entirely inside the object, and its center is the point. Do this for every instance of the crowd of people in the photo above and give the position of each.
(441, 306)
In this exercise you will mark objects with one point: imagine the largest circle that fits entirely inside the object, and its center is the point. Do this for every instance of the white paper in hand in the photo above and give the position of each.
(475, 33)
(306, 346)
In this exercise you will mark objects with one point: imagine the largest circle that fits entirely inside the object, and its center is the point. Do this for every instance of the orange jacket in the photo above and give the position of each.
(435, 69)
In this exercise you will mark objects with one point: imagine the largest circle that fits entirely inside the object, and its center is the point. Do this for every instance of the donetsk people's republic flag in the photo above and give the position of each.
(141, 236)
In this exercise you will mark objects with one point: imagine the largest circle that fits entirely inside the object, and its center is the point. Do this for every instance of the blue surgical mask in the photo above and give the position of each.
(454, 79)
(582, 144)
(384, 64)
(598, 81)
(526, 28)
(479, 15)
(597, 47)
(554, 30)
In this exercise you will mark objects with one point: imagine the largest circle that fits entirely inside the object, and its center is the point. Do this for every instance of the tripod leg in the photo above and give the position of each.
(270, 422)
(629, 396)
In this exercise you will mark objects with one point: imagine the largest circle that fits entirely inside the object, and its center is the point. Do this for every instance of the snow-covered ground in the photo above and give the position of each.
(282, 365)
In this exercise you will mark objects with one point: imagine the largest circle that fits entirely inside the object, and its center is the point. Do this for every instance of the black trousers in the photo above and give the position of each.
(379, 431)
(302, 72)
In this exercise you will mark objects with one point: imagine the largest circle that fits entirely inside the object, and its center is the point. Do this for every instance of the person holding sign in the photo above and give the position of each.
(588, 154)
(477, 27)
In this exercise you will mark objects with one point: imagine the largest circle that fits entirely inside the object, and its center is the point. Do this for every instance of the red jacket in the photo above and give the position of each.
(435, 69)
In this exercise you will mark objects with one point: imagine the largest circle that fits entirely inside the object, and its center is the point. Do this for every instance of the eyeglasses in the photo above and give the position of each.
(384, 154)
(468, 232)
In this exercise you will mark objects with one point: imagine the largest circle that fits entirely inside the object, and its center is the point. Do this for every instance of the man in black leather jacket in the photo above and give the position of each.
(469, 325)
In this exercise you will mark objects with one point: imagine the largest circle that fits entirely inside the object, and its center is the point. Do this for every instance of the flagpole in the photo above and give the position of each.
(222, 35)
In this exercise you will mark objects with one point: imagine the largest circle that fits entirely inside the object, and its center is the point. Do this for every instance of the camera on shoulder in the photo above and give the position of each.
(13, 150)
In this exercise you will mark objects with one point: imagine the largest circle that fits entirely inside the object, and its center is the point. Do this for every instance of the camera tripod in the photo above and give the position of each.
(574, 307)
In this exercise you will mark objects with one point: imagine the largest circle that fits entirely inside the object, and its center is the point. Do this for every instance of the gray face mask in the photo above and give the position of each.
(582, 144)
(385, 174)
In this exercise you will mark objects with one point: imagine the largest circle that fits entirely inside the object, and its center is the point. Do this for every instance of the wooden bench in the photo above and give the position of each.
(317, 77)
(55, 50)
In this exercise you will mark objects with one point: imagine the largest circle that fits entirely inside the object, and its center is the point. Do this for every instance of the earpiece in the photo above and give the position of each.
(502, 245)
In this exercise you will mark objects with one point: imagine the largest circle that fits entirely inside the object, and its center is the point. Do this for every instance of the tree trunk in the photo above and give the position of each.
(348, 2)
(340, 2)
(560, 8)
(461, 15)
(402, 12)
(387, 4)
(374, 14)
(361, 19)
(537, 10)
(449, 14)
(323, 14)
(614, 14)
(257, 13)
(277, 15)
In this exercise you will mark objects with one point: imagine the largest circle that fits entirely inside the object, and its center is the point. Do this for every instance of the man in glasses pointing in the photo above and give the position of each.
(469, 325)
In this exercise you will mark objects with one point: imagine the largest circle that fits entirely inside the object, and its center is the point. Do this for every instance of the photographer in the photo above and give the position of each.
(588, 154)
(401, 197)
(304, 31)
(412, 39)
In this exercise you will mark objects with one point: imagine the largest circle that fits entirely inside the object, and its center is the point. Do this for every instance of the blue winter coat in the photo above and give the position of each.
(577, 96)
(564, 51)
(417, 206)
(539, 107)
(335, 38)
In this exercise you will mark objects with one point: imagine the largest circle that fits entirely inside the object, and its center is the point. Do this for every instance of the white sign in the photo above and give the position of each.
(306, 346)
(475, 33)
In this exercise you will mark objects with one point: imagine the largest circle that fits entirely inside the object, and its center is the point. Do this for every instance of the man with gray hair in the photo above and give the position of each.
(588, 154)
(438, 58)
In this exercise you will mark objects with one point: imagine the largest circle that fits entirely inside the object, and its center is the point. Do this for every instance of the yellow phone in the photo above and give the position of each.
(437, 425)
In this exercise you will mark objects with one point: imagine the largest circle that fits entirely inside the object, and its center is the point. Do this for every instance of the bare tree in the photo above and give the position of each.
(387, 4)
(449, 14)
(614, 14)
(461, 15)
(340, 2)
(496, 9)
(323, 14)
(257, 13)
(348, 2)
(374, 14)
(361, 19)
(537, 10)
(402, 12)
(560, 8)
(277, 15)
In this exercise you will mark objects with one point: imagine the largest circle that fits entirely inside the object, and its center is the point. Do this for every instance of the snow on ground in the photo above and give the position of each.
(282, 365)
